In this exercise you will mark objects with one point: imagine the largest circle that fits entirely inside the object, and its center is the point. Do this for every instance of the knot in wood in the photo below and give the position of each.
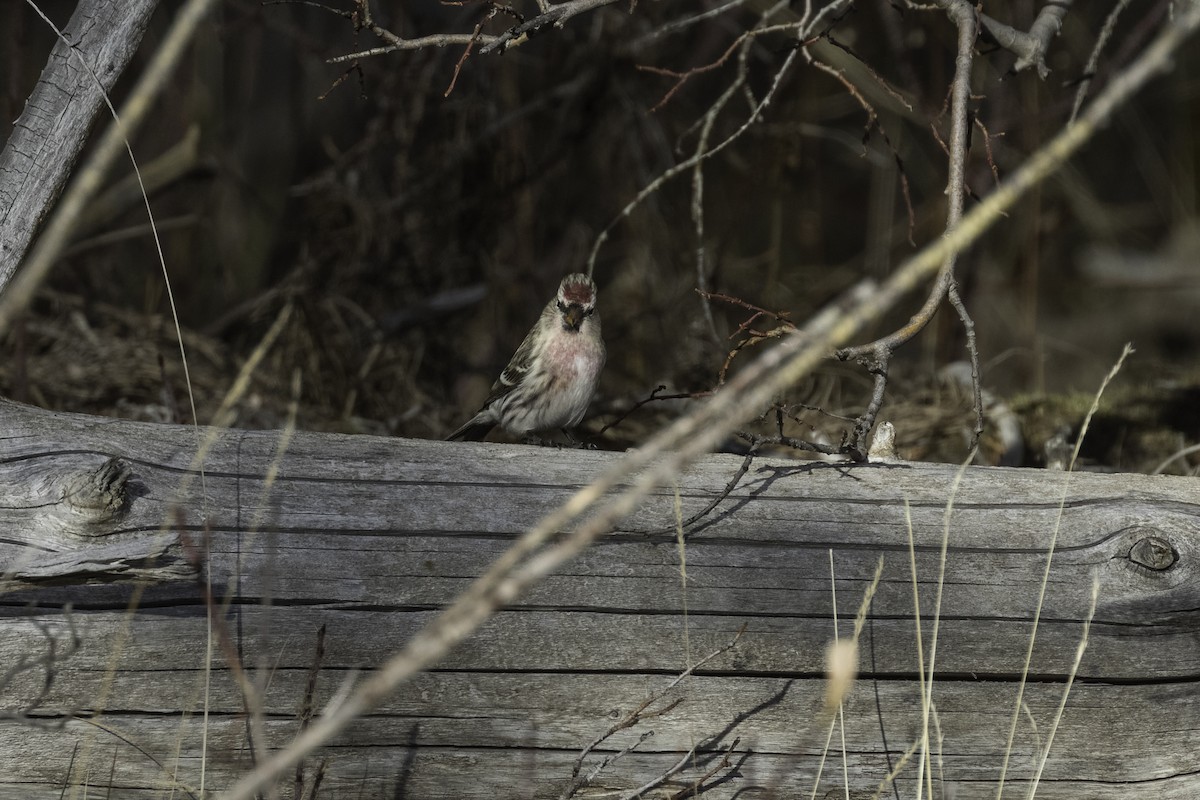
(99, 493)
(1153, 552)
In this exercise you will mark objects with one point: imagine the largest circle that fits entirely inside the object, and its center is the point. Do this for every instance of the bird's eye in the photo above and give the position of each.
(562, 306)
(587, 312)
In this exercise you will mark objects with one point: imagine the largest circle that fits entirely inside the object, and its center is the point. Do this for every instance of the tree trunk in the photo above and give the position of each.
(366, 538)
(45, 142)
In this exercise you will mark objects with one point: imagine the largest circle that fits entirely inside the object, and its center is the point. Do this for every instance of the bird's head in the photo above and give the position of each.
(576, 300)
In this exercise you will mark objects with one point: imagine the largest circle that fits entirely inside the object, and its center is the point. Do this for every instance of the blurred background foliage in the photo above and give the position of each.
(417, 234)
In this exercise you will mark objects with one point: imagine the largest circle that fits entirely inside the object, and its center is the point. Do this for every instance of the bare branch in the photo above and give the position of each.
(1030, 48)
(556, 16)
(675, 768)
(434, 40)
(878, 366)
(963, 15)
(362, 18)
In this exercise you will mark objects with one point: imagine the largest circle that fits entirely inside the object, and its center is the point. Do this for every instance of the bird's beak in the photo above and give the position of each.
(573, 317)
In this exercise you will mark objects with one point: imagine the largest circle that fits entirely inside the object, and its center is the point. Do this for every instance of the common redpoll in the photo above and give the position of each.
(550, 380)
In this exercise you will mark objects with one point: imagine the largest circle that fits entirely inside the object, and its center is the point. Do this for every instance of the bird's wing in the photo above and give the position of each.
(518, 366)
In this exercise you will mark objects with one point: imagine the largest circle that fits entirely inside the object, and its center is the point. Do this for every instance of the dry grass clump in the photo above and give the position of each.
(75, 354)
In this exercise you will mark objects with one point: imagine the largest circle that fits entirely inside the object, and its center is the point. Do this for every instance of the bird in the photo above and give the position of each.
(550, 380)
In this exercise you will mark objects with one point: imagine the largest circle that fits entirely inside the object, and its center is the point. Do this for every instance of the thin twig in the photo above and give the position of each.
(466, 53)
(434, 40)
(636, 716)
(698, 223)
(721, 497)
(363, 20)
(652, 397)
(675, 768)
(557, 16)
(758, 441)
(987, 147)
(1089, 71)
(697, 786)
(753, 336)
(686, 22)
(973, 352)
(683, 77)
(883, 83)
(603, 764)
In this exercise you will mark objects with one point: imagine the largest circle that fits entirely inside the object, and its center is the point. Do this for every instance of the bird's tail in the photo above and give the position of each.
(472, 431)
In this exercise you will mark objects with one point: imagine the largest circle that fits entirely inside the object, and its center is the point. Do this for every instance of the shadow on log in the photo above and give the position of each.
(367, 538)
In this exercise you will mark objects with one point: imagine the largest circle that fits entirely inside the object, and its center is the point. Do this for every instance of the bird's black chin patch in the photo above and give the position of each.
(573, 317)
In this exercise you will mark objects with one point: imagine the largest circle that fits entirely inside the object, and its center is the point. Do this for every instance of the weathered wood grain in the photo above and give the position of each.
(370, 537)
(47, 138)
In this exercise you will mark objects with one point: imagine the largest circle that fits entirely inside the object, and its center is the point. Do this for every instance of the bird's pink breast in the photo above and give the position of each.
(570, 356)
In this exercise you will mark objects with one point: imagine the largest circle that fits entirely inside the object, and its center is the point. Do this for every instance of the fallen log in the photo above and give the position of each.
(324, 553)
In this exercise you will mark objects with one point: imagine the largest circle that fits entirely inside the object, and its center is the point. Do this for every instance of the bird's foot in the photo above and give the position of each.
(576, 443)
(538, 441)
